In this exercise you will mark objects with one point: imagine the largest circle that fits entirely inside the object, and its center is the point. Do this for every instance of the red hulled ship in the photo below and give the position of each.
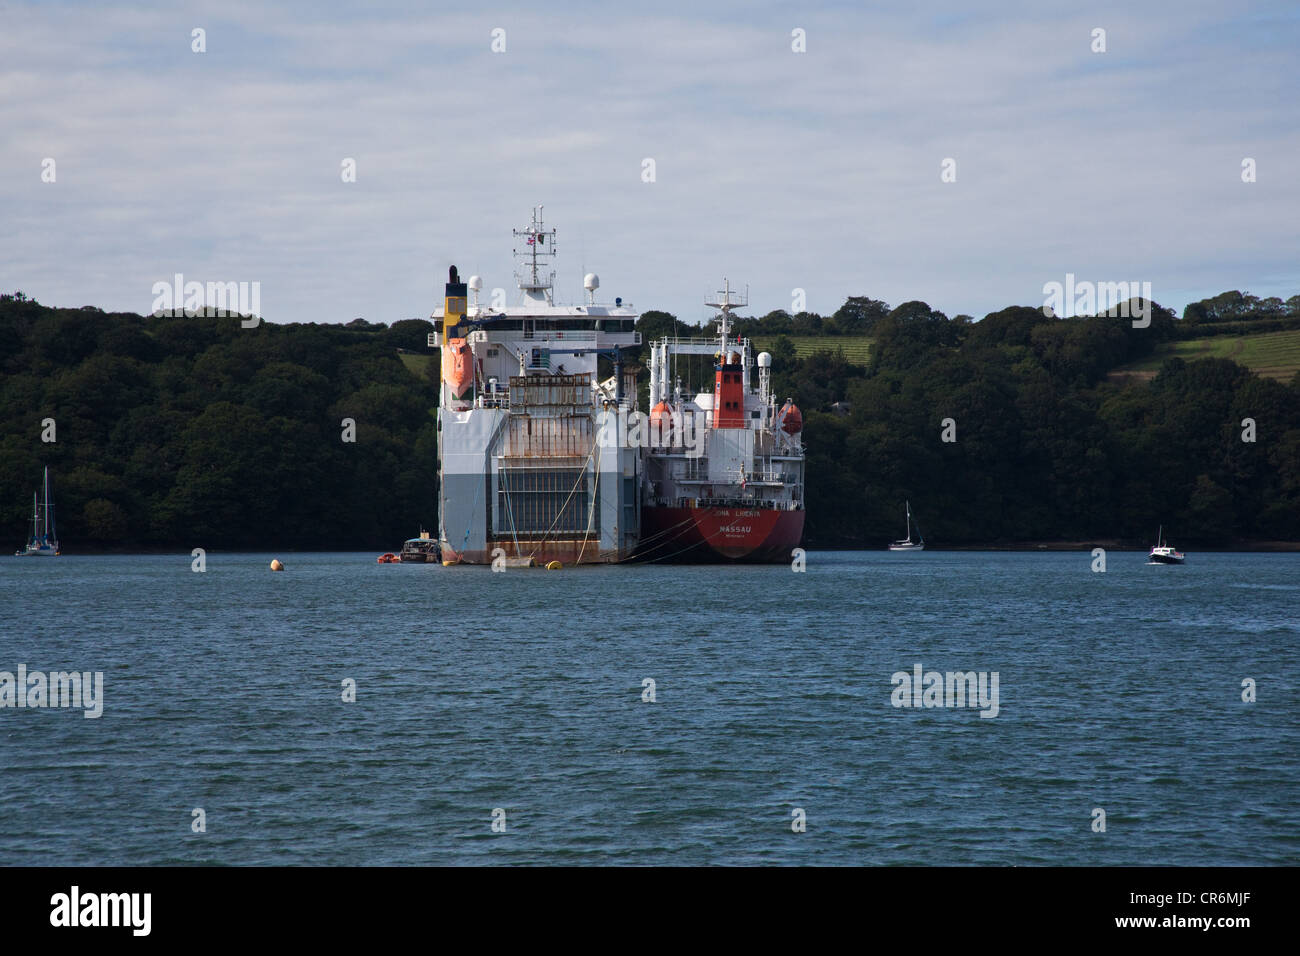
(724, 471)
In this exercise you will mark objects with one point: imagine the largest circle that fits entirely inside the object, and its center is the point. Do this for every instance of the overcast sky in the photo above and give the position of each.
(818, 170)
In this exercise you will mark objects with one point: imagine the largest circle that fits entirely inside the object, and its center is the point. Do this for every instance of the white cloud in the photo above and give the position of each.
(817, 170)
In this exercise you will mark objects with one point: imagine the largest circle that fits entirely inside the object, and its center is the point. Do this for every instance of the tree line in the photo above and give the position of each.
(1046, 446)
(195, 432)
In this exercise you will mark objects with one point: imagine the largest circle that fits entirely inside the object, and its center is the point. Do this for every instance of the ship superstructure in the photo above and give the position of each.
(732, 490)
(522, 475)
(541, 459)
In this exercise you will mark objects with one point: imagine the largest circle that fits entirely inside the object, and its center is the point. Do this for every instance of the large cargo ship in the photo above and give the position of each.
(541, 460)
(737, 494)
(521, 475)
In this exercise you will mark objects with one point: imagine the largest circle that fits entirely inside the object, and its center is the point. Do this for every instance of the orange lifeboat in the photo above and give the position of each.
(791, 418)
(661, 422)
(387, 558)
(458, 366)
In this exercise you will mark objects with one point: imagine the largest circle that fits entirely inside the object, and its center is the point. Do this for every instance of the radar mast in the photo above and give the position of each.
(532, 260)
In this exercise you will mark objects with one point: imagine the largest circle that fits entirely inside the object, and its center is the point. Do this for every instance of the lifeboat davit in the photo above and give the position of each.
(791, 418)
(387, 558)
(458, 366)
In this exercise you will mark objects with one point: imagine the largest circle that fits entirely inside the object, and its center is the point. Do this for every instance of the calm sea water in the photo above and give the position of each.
(523, 691)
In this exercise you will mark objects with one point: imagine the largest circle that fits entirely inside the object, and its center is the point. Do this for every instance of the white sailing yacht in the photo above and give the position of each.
(908, 544)
(44, 542)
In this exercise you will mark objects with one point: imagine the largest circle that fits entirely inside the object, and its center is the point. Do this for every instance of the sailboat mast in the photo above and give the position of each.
(47, 502)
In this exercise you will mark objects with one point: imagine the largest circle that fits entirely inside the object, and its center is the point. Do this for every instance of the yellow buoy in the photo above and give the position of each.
(553, 566)
(276, 565)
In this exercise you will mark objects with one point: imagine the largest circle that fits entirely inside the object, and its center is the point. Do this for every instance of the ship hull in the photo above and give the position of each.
(705, 535)
(567, 553)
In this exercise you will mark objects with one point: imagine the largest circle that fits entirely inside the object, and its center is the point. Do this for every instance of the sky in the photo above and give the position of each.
(819, 170)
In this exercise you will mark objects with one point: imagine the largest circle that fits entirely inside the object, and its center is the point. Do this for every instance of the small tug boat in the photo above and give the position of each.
(1162, 553)
(421, 550)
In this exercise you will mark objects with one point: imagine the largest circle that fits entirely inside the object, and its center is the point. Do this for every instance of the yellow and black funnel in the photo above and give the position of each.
(454, 366)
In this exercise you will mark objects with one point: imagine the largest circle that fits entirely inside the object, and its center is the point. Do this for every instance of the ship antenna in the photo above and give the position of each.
(537, 225)
(726, 301)
(540, 243)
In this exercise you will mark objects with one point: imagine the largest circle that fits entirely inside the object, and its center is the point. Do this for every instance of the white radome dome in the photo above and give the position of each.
(764, 360)
(591, 282)
(475, 283)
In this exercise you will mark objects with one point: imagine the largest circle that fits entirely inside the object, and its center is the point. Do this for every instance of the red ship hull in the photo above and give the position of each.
(707, 535)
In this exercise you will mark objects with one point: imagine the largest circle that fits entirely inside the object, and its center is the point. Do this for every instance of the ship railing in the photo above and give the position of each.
(697, 469)
(696, 340)
(692, 340)
(562, 335)
(743, 503)
(501, 400)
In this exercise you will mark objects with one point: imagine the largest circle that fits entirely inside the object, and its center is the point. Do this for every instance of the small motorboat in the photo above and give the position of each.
(1162, 553)
(422, 549)
(388, 558)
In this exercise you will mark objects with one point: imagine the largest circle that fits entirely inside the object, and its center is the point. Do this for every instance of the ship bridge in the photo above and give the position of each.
(535, 336)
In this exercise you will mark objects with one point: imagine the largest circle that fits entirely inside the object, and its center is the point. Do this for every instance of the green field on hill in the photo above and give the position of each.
(857, 348)
(416, 363)
(1270, 354)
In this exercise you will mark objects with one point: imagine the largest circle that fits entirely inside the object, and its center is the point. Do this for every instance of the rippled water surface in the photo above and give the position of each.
(523, 691)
